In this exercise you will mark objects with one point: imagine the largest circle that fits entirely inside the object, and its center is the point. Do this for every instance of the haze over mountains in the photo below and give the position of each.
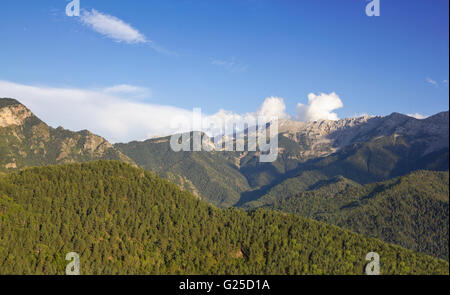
(383, 177)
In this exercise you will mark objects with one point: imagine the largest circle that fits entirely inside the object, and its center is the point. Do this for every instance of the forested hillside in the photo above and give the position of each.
(124, 220)
(214, 177)
(411, 211)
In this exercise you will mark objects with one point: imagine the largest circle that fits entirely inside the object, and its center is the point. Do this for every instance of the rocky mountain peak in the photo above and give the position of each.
(321, 127)
(13, 113)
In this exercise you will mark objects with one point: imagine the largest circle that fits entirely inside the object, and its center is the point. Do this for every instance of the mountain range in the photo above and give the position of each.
(381, 177)
(365, 149)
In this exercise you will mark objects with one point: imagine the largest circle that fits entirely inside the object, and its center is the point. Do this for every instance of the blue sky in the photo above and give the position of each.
(233, 54)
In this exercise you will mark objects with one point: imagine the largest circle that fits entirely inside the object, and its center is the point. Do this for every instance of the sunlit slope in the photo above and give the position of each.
(124, 220)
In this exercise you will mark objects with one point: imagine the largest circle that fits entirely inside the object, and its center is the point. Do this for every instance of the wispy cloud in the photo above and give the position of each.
(118, 30)
(432, 82)
(112, 27)
(230, 65)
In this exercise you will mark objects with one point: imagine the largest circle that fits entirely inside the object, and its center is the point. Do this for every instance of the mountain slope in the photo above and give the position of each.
(27, 141)
(211, 176)
(411, 211)
(366, 149)
(124, 220)
(387, 152)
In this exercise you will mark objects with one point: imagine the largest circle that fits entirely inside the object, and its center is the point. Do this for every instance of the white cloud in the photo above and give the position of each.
(432, 82)
(118, 30)
(319, 107)
(273, 107)
(112, 27)
(116, 114)
(107, 113)
(418, 116)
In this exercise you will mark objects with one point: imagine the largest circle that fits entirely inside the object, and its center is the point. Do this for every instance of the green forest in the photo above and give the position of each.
(411, 210)
(125, 220)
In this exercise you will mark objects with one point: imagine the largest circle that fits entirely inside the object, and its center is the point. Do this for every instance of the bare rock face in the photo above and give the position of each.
(94, 144)
(322, 138)
(13, 115)
(322, 128)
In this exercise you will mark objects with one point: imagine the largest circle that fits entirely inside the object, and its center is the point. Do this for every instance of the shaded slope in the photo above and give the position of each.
(380, 159)
(411, 211)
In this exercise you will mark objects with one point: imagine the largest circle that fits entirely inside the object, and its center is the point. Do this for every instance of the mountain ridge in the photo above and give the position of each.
(317, 140)
(25, 141)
